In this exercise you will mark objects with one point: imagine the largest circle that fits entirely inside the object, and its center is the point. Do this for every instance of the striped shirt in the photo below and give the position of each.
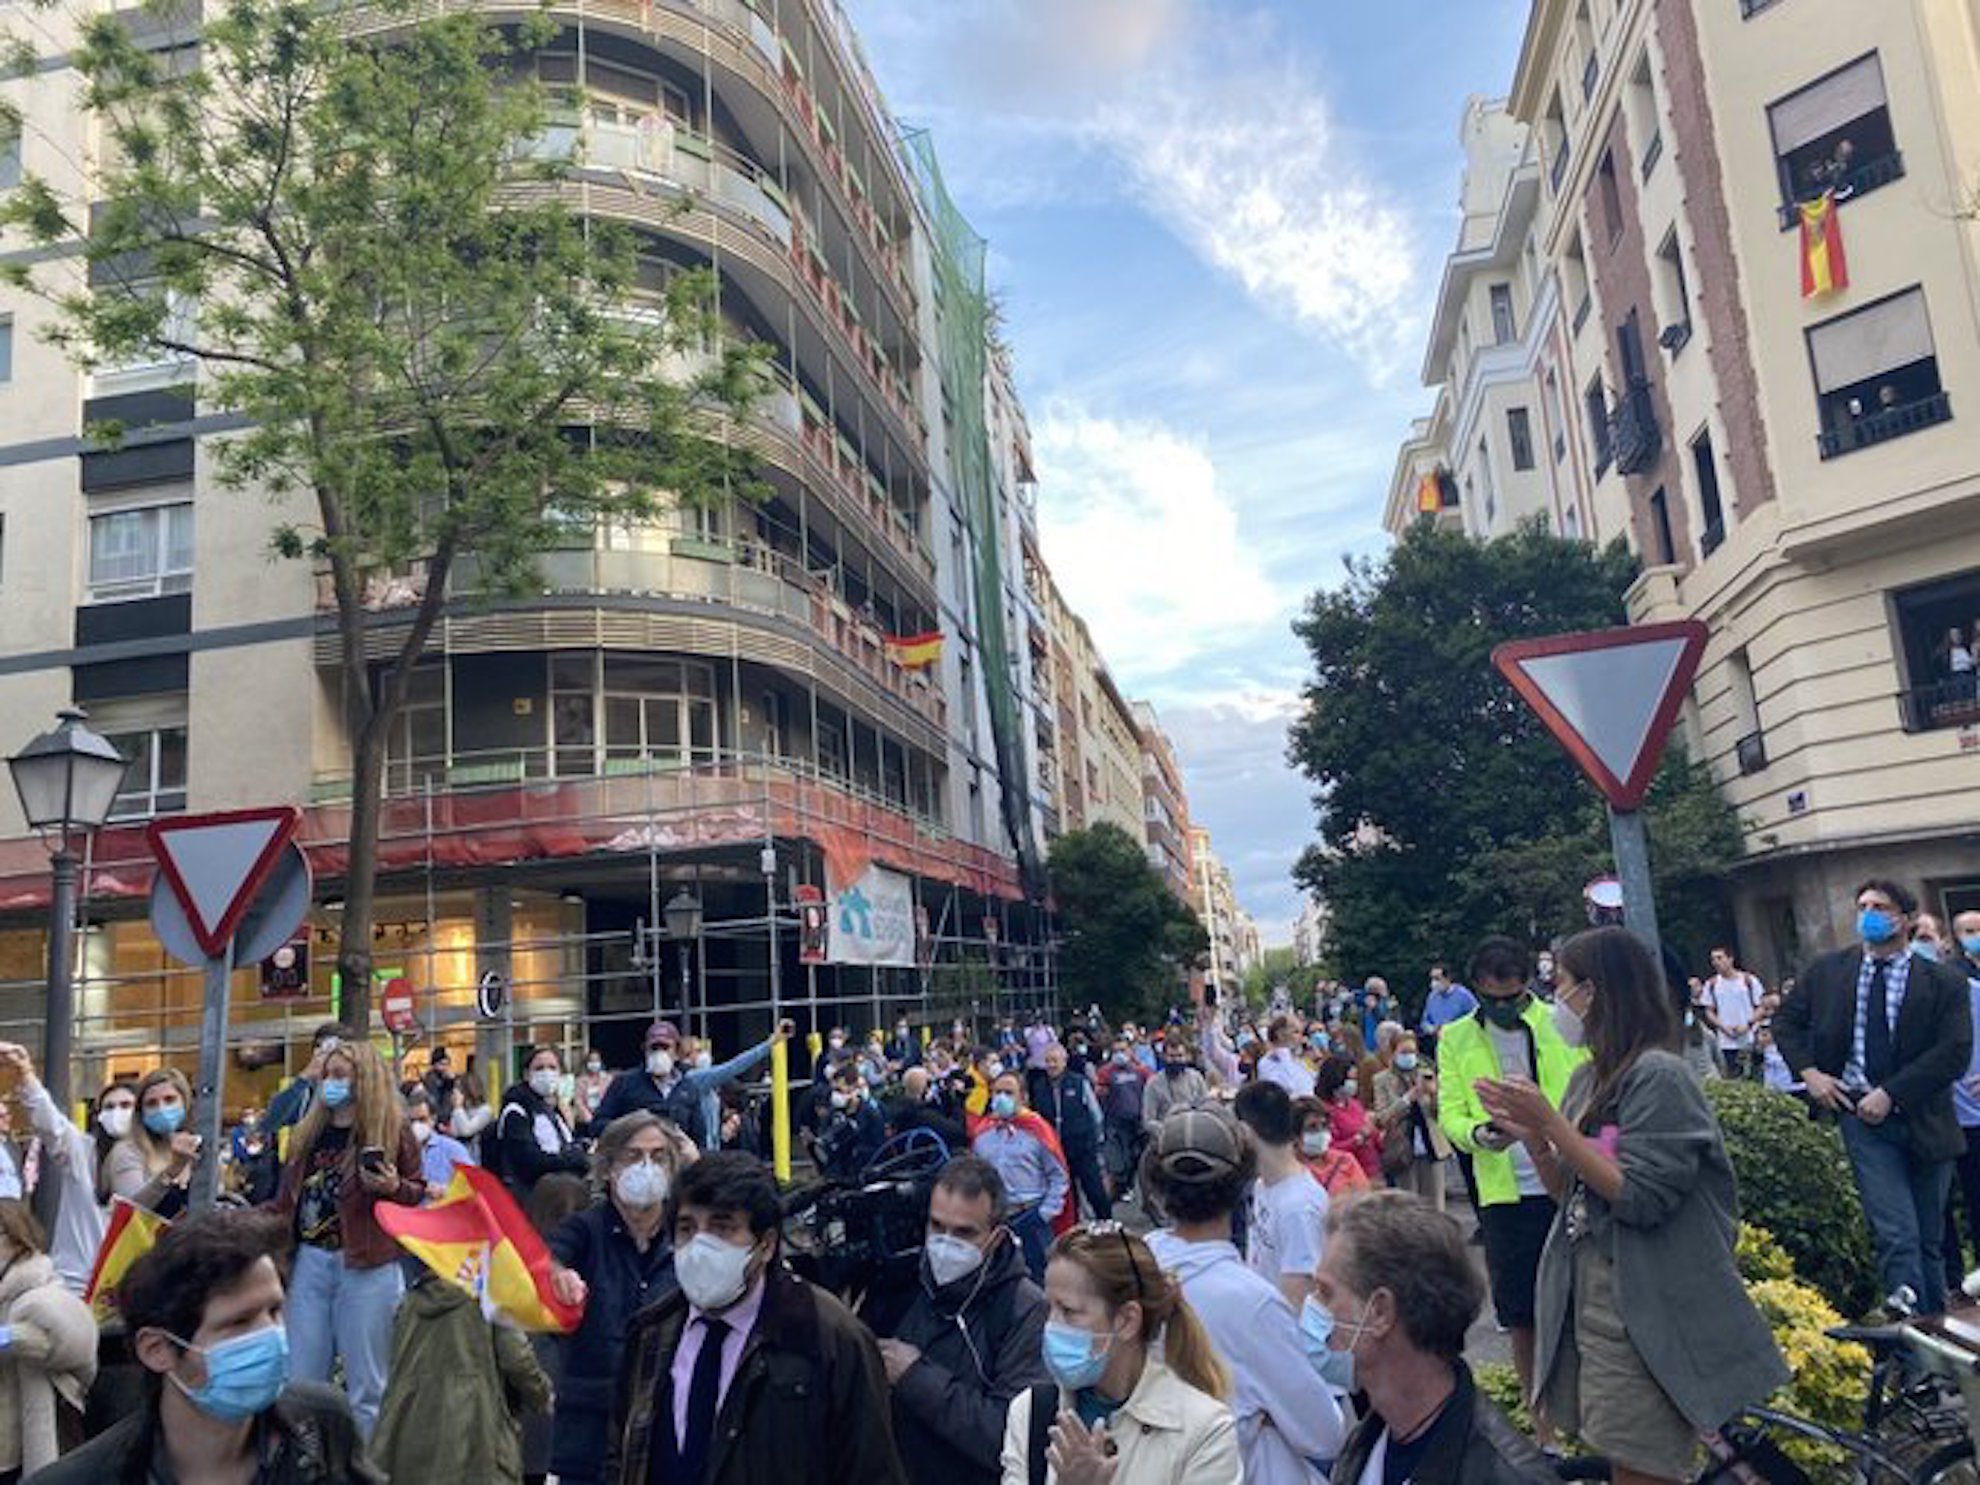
(1897, 971)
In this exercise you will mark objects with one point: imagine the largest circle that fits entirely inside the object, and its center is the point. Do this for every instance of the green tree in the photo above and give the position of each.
(440, 369)
(1446, 810)
(1124, 938)
(1275, 967)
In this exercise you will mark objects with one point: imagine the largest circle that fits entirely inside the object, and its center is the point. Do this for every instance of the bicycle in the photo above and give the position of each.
(1909, 1435)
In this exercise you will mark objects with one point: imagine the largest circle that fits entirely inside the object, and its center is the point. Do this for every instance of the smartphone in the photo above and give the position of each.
(372, 1158)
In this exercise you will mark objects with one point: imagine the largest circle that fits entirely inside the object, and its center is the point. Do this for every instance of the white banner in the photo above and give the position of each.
(871, 921)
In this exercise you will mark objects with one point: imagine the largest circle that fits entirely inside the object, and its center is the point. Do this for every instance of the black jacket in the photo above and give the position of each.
(1064, 1106)
(1475, 1445)
(850, 1139)
(981, 1342)
(308, 1437)
(622, 1281)
(1930, 1046)
(524, 1161)
(808, 1405)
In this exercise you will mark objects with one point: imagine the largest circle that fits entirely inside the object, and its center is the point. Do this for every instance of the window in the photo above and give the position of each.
(1504, 327)
(1673, 295)
(1640, 109)
(10, 155)
(1934, 645)
(1595, 402)
(1660, 530)
(1575, 284)
(1554, 136)
(416, 747)
(1835, 134)
(6, 349)
(1748, 746)
(151, 732)
(1519, 432)
(140, 552)
(1605, 182)
(1704, 460)
(1876, 375)
(151, 364)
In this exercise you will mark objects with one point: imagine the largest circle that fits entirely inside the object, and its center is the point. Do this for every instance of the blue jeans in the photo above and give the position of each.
(337, 1311)
(1905, 1199)
(1034, 1235)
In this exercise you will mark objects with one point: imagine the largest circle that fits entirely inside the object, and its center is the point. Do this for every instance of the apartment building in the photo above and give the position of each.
(1234, 946)
(1494, 450)
(1165, 803)
(1787, 457)
(1309, 931)
(706, 705)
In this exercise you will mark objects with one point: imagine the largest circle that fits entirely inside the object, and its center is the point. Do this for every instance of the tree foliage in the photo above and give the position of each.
(1124, 938)
(1447, 811)
(342, 221)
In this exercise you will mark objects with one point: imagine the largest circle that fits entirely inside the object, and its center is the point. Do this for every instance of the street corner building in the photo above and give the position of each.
(837, 726)
(1717, 292)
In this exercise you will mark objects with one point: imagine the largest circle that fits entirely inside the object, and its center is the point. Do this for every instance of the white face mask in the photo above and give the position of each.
(1568, 1022)
(116, 1122)
(543, 1082)
(704, 1058)
(422, 1130)
(713, 1273)
(642, 1186)
(660, 1062)
(1316, 1141)
(950, 1258)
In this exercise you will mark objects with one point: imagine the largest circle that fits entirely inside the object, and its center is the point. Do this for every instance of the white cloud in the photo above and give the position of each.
(1145, 543)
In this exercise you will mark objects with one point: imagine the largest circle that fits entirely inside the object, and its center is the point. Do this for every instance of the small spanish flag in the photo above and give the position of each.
(476, 1237)
(1429, 494)
(132, 1231)
(1824, 268)
(913, 651)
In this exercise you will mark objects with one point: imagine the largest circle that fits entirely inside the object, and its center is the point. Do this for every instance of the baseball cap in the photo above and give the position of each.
(1198, 1145)
(662, 1033)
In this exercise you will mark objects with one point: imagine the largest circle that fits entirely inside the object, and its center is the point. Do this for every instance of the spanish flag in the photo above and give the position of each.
(913, 651)
(132, 1231)
(476, 1237)
(1824, 268)
(1429, 494)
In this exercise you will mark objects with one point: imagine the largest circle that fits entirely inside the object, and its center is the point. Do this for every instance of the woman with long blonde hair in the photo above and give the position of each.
(152, 1163)
(352, 1150)
(1139, 1394)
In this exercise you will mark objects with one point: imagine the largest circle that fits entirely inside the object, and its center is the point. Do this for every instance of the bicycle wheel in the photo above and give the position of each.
(1764, 1441)
(1952, 1465)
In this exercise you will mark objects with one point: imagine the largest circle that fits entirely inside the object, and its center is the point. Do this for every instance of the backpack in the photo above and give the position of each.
(1044, 1409)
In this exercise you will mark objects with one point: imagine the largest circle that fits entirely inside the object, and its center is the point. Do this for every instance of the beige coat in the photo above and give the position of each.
(53, 1353)
(1392, 1114)
(1167, 1433)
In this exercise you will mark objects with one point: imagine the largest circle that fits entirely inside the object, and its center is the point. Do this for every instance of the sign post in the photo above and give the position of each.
(231, 889)
(1611, 697)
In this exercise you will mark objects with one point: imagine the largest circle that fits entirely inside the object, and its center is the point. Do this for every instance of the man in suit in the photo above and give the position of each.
(1878, 1034)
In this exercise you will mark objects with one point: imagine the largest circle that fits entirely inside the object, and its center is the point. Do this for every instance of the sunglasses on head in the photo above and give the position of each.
(1091, 1232)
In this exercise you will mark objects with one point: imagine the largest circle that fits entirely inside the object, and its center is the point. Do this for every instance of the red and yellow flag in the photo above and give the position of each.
(476, 1237)
(1429, 494)
(132, 1231)
(914, 651)
(1824, 268)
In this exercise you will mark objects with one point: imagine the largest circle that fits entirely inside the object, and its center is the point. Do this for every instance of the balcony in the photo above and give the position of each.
(1885, 424)
(1948, 703)
(1864, 178)
(1634, 435)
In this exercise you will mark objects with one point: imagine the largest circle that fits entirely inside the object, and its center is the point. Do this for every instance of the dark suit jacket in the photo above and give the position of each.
(1930, 1045)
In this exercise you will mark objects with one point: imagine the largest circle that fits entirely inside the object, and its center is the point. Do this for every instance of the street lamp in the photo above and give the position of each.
(683, 916)
(67, 780)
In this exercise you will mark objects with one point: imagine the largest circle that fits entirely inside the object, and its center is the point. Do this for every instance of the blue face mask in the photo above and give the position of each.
(1876, 927)
(165, 1120)
(244, 1376)
(1924, 948)
(1316, 1326)
(336, 1092)
(1003, 1105)
(1971, 943)
(1072, 1358)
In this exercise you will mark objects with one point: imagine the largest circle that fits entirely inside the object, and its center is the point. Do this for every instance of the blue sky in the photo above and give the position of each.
(1216, 227)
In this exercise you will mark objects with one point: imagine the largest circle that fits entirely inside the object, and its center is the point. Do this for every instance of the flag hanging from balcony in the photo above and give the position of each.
(1824, 268)
(1429, 495)
(914, 651)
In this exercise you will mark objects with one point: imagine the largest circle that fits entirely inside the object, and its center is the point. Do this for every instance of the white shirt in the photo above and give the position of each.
(1516, 1061)
(1288, 1220)
(1281, 1065)
(1735, 1000)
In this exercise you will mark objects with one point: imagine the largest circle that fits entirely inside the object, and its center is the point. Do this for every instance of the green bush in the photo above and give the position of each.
(1828, 1378)
(1795, 1181)
(1498, 1381)
(1760, 1256)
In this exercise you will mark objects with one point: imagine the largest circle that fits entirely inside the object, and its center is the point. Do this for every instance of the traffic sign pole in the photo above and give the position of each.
(1631, 844)
(212, 1049)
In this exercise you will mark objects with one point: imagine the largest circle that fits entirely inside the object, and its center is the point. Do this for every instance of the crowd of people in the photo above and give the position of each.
(1211, 1249)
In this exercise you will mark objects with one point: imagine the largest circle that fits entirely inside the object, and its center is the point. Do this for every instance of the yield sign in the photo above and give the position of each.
(1611, 696)
(216, 862)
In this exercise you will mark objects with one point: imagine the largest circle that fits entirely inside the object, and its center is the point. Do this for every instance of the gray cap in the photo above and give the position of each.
(1198, 1145)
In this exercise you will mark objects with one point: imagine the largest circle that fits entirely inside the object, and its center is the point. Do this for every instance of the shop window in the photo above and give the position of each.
(1835, 135)
(1876, 375)
(140, 551)
(1935, 628)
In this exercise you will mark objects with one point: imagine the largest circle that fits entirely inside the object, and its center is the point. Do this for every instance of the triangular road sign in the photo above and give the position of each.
(1611, 696)
(216, 863)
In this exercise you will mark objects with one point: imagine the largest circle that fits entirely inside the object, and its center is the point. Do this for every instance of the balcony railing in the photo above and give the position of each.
(1948, 703)
(1885, 424)
(1633, 431)
(1865, 177)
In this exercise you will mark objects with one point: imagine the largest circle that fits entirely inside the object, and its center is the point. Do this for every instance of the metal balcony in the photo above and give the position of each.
(1866, 177)
(1948, 703)
(1633, 432)
(1885, 424)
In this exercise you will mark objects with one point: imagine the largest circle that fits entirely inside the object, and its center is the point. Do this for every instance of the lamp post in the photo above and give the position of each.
(67, 780)
(683, 916)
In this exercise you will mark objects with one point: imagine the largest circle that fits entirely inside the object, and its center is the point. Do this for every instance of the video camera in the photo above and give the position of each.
(845, 1234)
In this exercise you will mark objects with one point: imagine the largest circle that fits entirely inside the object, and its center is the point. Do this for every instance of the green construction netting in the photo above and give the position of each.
(963, 321)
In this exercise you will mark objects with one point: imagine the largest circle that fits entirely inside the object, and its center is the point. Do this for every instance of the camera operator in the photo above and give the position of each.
(854, 1130)
(919, 1106)
(971, 1337)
